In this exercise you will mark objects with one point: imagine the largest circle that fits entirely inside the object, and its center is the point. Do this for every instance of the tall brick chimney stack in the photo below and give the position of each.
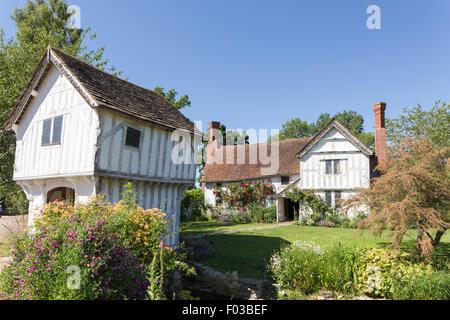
(380, 130)
(214, 128)
(214, 138)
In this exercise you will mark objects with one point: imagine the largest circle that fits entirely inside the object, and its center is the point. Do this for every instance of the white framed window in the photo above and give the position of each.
(52, 131)
(333, 166)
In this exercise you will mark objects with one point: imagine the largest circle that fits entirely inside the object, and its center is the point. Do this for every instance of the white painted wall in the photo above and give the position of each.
(355, 166)
(153, 160)
(75, 155)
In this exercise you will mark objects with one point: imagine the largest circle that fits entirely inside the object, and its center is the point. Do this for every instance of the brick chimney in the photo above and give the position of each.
(214, 138)
(380, 131)
(214, 128)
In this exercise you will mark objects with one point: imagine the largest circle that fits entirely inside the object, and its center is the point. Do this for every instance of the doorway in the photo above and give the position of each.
(61, 194)
(291, 209)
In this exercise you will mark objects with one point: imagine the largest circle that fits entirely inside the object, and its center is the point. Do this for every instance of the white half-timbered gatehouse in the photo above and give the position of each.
(81, 132)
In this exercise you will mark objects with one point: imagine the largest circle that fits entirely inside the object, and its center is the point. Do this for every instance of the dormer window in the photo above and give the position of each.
(51, 131)
(133, 138)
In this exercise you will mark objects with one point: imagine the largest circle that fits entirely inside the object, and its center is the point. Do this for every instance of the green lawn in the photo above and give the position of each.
(248, 252)
(192, 227)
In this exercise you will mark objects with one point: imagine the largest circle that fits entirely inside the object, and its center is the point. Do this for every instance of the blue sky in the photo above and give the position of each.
(257, 64)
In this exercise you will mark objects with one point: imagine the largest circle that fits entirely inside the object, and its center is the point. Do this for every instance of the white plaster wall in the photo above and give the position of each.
(355, 166)
(164, 196)
(75, 155)
(153, 159)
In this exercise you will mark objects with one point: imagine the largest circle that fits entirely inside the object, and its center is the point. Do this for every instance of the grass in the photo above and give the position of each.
(249, 252)
(195, 227)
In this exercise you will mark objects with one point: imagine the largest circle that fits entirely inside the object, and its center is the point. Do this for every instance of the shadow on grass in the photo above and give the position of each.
(249, 255)
(201, 227)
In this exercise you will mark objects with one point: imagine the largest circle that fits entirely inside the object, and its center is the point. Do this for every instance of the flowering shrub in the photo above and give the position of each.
(91, 251)
(81, 240)
(240, 195)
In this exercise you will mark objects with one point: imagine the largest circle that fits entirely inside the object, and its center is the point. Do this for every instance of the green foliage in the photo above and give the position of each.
(418, 123)
(380, 272)
(435, 286)
(192, 205)
(262, 214)
(307, 268)
(241, 195)
(39, 24)
(296, 128)
(309, 199)
(171, 96)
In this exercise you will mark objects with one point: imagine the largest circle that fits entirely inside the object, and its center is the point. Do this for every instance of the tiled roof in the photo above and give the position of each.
(288, 163)
(106, 91)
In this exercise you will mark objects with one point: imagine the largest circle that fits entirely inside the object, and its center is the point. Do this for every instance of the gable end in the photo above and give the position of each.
(342, 130)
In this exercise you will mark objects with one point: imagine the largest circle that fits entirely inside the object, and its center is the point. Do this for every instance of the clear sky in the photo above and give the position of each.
(257, 64)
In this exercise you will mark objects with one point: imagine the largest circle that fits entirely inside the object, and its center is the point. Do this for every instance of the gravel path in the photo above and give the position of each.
(201, 235)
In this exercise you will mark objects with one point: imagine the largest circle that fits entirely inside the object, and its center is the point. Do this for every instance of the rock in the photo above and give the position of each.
(327, 294)
(324, 223)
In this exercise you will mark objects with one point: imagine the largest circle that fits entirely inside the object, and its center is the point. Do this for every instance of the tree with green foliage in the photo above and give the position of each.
(39, 24)
(296, 128)
(434, 125)
(171, 95)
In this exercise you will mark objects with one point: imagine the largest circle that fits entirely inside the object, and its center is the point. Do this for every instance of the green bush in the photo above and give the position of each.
(378, 271)
(262, 214)
(192, 205)
(307, 268)
(435, 286)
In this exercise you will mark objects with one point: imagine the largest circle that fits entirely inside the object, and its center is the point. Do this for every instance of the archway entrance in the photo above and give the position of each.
(61, 194)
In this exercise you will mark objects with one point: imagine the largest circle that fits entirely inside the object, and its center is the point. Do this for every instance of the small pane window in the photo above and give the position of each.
(328, 198)
(46, 130)
(284, 180)
(57, 127)
(332, 166)
(336, 167)
(133, 138)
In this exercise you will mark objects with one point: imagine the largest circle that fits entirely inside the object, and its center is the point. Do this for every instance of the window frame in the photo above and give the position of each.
(51, 134)
(283, 183)
(333, 166)
(138, 147)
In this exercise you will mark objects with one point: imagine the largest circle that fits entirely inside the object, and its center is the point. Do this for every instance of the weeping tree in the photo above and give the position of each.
(411, 193)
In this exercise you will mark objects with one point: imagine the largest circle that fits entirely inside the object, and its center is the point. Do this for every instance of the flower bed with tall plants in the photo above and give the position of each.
(92, 251)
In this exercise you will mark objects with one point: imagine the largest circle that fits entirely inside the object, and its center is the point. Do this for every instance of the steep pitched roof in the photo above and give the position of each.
(103, 90)
(288, 163)
(333, 123)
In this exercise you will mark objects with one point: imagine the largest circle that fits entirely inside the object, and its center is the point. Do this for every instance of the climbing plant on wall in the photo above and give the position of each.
(241, 195)
(309, 199)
